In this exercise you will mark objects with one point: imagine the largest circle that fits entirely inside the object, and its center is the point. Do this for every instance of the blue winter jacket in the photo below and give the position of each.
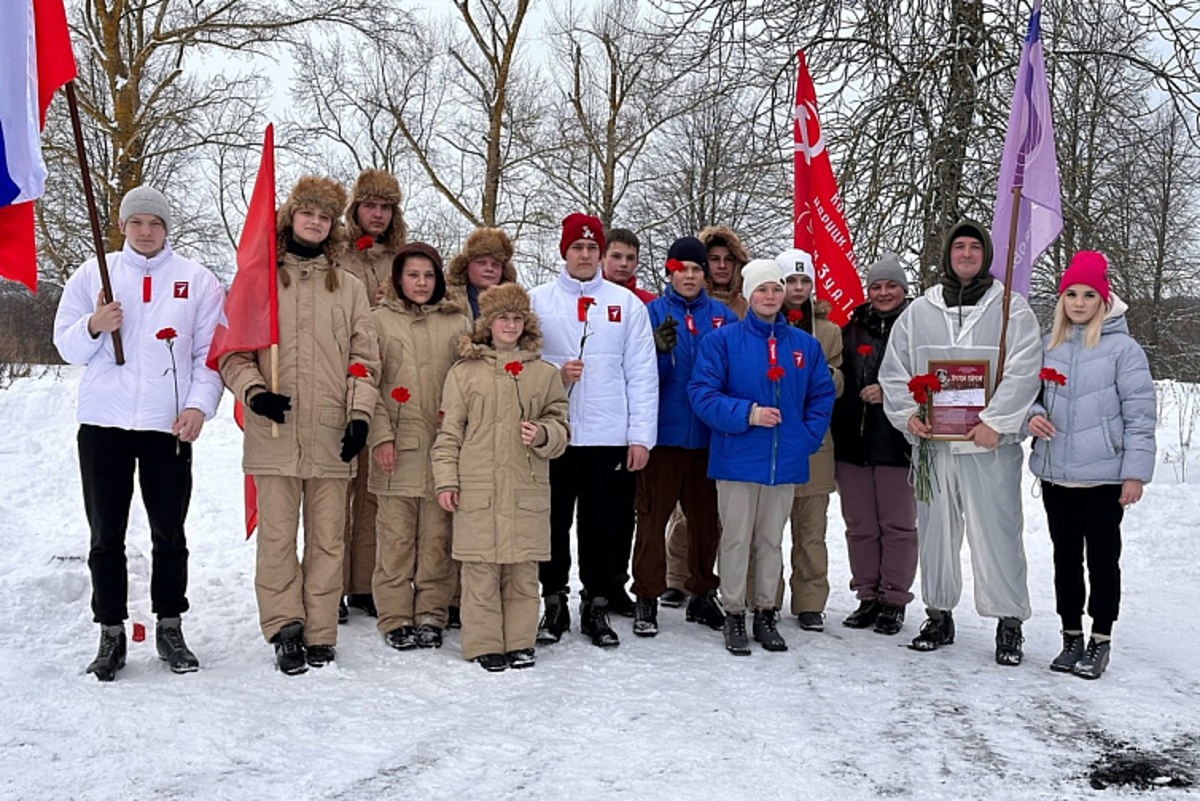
(730, 376)
(677, 423)
(1105, 413)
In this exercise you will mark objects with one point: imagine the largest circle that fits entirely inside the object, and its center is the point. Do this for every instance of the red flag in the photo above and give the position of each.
(820, 228)
(22, 172)
(251, 491)
(251, 317)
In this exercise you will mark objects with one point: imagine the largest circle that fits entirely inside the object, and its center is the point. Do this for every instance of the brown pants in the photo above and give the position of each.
(675, 475)
(299, 591)
(414, 574)
(810, 557)
(358, 562)
(499, 607)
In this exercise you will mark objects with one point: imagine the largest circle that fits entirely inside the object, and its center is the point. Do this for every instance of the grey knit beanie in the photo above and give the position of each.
(888, 269)
(145, 200)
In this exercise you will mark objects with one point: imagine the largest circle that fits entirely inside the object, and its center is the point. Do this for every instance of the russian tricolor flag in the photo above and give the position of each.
(35, 60)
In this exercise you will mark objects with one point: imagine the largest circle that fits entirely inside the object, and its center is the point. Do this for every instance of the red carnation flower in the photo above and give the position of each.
(585, 303)
(514, 368)
(674, 266)
(400, 395)
(358, 370)
(864, 350)
(795, 316)
(775, 373)
(1050, 374)
(364, 242)
(166, 333)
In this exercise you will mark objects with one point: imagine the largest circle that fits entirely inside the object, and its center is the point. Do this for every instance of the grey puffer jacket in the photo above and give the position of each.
(1105, 413)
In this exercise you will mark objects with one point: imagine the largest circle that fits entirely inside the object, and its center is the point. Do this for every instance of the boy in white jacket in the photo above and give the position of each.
(599, 335)
(144, 413)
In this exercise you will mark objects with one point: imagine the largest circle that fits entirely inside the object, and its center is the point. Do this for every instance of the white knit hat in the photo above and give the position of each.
(759, 272)
(796, 262)
(146, 200)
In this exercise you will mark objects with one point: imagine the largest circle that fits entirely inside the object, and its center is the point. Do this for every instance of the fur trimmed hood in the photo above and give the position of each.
(483, 242)
(724, 236)
(377, 185)
(315, 192)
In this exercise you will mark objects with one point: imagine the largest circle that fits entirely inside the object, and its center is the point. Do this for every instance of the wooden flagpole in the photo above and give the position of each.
(97, 238)
(1008, 274)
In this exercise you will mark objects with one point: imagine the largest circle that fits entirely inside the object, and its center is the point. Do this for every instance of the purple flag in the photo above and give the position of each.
(1029, 162)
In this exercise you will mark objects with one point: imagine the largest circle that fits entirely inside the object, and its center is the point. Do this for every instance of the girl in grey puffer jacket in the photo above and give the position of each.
(1095, 449)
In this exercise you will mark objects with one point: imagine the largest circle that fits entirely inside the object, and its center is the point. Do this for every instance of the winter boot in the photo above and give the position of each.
(453, 618)
(1072, 652)
(555, 620)
(402, 639)
(864, 616)
(673, 598)
(736, 641)
(594, 623)
(523, 658)
(1009, 641)
(111, 656)
(429, 636)
(706, 609)
(619, 603)
(493, 663)
(319, 656)
(343, 611)
(812, 621)
(365, 602)
(765, 631)
(289, 649)
(936, 631)
(645, 617)
(168, 638)
(1095, 659)
(890, 619)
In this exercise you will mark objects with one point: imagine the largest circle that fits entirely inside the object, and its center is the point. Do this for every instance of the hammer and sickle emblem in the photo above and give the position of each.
(812, 142)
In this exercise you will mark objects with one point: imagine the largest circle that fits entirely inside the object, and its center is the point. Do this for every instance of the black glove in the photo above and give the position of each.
(665, 337)
(270, 405)
(354, 440)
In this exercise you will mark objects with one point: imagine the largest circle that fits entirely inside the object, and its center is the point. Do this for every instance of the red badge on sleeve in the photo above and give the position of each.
(614, 314)
(181, 289)
(798, 358)
(718, 322)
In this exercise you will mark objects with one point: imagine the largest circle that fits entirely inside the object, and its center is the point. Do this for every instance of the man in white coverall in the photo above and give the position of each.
(977, 481)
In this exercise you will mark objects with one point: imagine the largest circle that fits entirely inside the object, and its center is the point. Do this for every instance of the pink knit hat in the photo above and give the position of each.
(1088, 267)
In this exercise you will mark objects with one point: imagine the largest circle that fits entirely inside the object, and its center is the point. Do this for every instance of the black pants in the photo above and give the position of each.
(594, 481)
(107, 458)
(1086, 520)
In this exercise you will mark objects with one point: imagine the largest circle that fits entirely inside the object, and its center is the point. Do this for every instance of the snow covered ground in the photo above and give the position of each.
(845, 714)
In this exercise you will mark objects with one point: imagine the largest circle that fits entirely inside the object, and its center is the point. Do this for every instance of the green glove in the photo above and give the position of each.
(664, 336)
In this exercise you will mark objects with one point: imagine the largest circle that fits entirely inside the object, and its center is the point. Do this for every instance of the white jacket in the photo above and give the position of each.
(928, 329)
(616, 400)
(140, 395)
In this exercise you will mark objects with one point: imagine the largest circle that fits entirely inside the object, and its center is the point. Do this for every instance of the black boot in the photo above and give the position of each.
(765, 631)
(645, 617)
(673, 598)
(111, 656)
(429, 636)
(736, 641)
(594, 623)
(936, 631)
(555, 621)
(453, 618)
(343, 611)
(493, 663)
(1072, 652)
(319, 656)
(402, 638)
(362, 601)
(1095, 659)
(890, 620)
(168, 638)
(706, 609)
(521, 658)
(289, 650)
(1009, 641)
(864, 616)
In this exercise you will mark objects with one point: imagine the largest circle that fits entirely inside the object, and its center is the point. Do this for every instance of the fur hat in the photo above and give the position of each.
(1090, 268)
(759, 272)
(146, 200)
(483, 242)
(312, 191)
(689, 248)
(502, 298)
(580, 226)
(429, 252)
(377, 185)
(796, 262)
(888, 269)
(723, 236)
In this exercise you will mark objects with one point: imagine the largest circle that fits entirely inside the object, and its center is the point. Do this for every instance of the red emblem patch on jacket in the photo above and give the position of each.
(718, 322)
(614, 314)
(181, 289)
(798, 358)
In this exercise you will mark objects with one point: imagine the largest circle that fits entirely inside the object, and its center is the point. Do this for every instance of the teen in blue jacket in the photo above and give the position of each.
(764, 389)
(677, 471)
